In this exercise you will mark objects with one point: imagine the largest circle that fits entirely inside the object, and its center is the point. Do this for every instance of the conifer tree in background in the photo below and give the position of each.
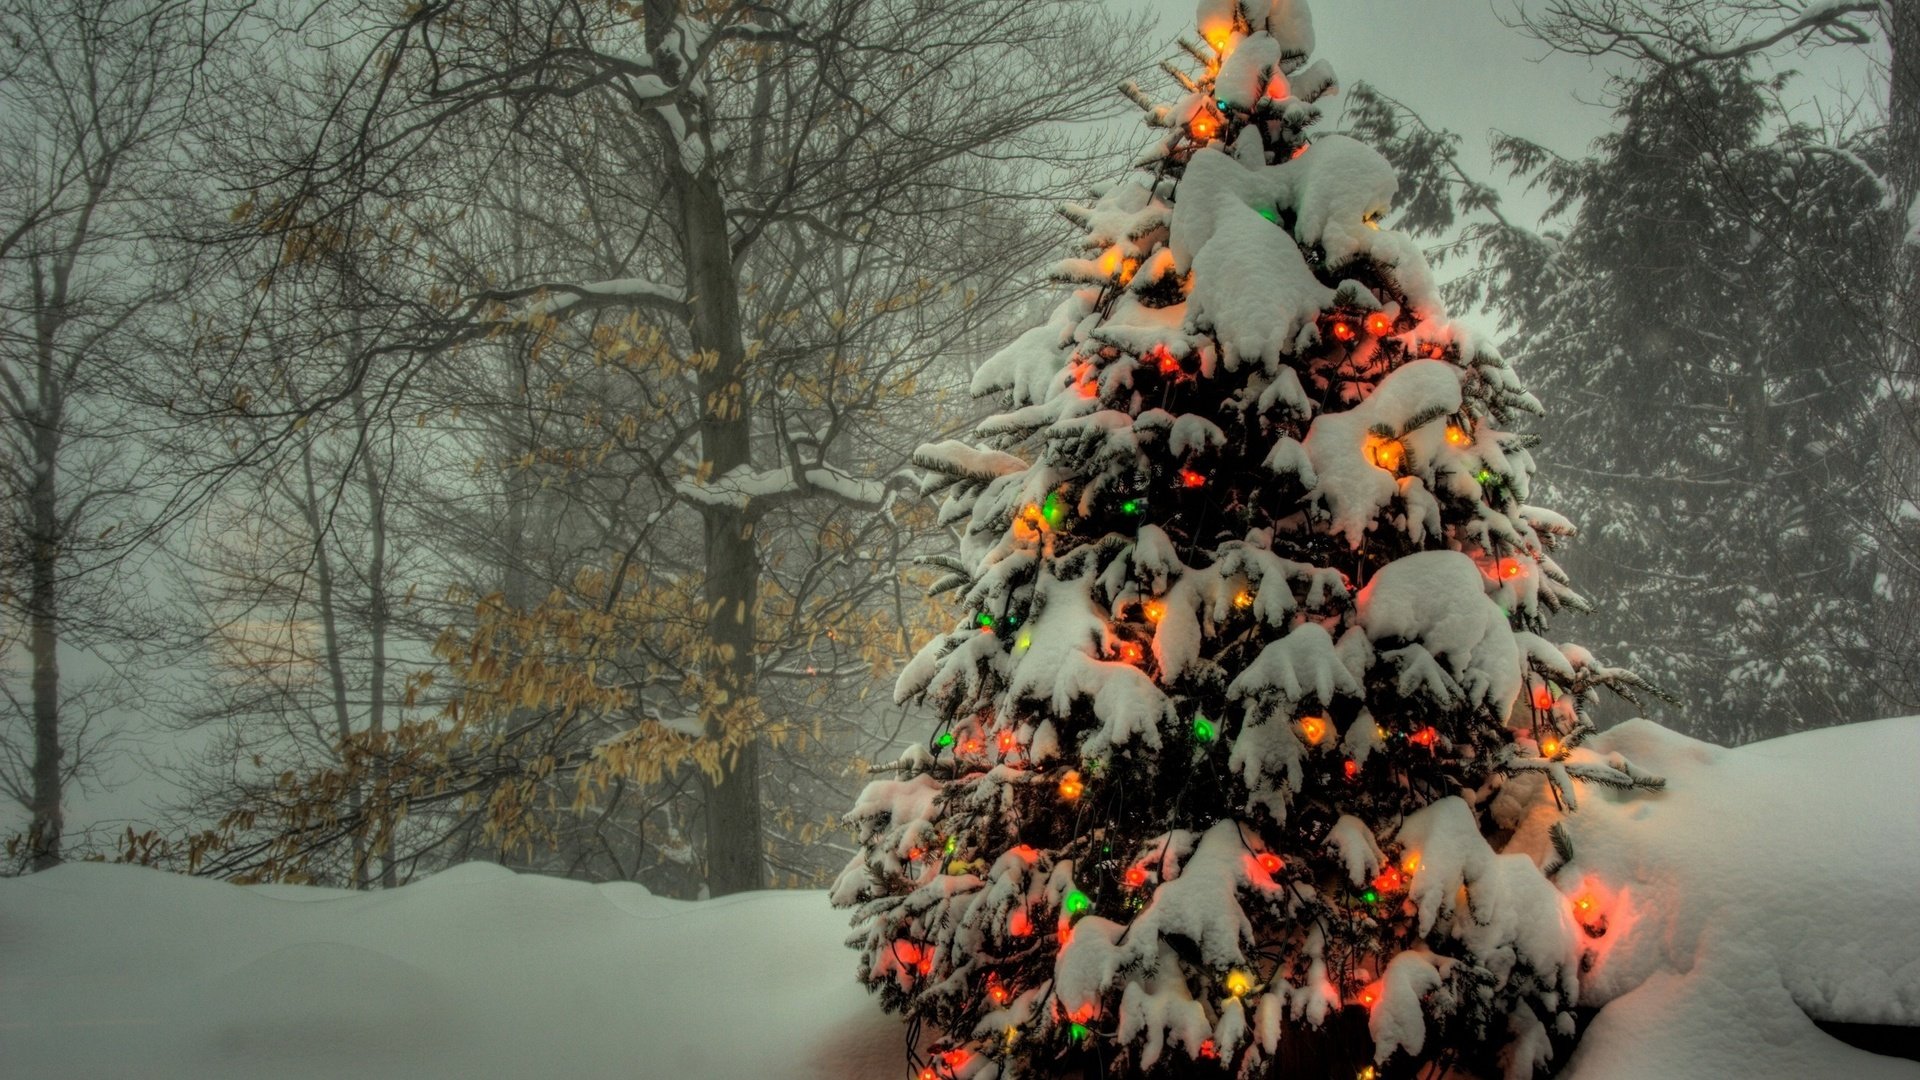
(1708, 325)
(1251, 669)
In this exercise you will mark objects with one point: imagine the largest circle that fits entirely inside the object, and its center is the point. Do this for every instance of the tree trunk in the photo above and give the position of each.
(43, 643)
(735, 862)
(336, 657)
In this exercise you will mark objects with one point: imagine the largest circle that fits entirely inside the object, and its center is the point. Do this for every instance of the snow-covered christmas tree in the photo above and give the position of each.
(1253, 655)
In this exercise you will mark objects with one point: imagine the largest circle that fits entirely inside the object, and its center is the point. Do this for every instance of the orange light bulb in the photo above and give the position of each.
(1314, 728)
(1019, 924)
(1155, 611)
(1071, 785)
(1204, 127)
(1457, 436)
(1379, 324)
(1243, 599)
(1551, 748)
(1411, 863)
(1388, 454)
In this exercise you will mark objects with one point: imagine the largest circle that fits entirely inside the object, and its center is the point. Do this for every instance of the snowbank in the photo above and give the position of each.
(1766, 885)
(110, 972)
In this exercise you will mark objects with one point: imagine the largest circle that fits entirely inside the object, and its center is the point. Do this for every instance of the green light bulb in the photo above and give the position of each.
(985, 620)
(1078, 1033)
(953, 844)
(1370, 896)
(945, 739)
(1130, 507)
(1485, 476)
(1271, 214)
(1054, 509)
(1203, 729)
(1077, 903)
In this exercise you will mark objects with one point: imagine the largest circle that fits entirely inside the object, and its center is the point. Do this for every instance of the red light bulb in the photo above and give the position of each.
(1379, 324)
(1270, 862)
(1542, 697)
(1343, 330)
(1189, 478)
(1136, 877)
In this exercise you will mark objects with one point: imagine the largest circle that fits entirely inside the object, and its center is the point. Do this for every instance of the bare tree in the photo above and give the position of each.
(97, 110)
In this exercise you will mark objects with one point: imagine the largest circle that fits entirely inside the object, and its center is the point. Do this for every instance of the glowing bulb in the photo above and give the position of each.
(1542, 697)
(1128, 268)
(1131, 652)
(1189, 478)
(1379, 324)
(1277, 87)
(1007, 742)
(1155, 611)
(1389, 880)
(1270, 862)
(1388, 454)
(1314, 728)
(1457, 436)
(1077, 903)
(1411, 863)
(1243, 599)
(1024, 641)
(945, 740)
(1070, 786)
(1203, 729)
(1511, 568)
(1343, 330)
(1131, 507)
(985, 621)
(1368, 997)
(997, 993)
(1426, 737)
(1078, 1032)
(1550, 748)
(1168, 363)
(1352, 769)
(1365, 1074)
(1054, 510)
(1208, 1052)
(1485, 477)
(1370, 897)
(1019, 924)
(1136, 877)
(1203, 126)
(1218, 37)
(1110, 262)
(1238, 983)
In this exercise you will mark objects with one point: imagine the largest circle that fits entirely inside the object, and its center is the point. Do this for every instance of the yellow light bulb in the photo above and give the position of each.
(1243, 599)
(1238, 983)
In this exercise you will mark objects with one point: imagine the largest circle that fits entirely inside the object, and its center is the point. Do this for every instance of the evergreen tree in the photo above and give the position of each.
(1252, 674)
(1707, 327)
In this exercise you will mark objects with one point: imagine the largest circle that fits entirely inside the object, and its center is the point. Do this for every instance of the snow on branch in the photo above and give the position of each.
(556, 298)
(758, 490)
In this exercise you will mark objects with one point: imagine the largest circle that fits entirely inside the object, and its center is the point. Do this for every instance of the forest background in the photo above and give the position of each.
(484, 429)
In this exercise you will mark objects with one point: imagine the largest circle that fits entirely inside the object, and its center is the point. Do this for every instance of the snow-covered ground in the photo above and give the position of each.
(1768, 883)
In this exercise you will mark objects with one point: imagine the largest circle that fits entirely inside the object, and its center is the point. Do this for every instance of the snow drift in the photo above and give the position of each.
(1767, 887)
